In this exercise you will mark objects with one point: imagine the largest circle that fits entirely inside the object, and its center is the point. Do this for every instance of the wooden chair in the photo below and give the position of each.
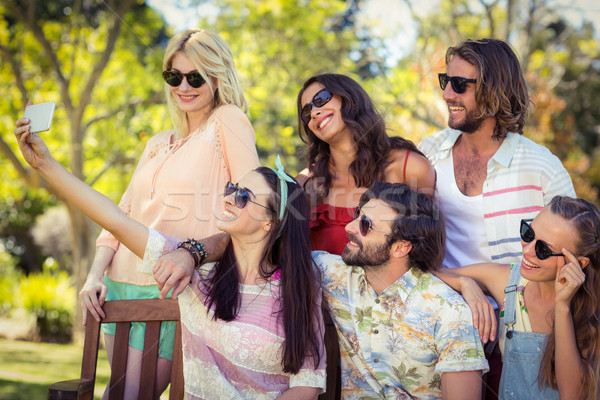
(123, 312)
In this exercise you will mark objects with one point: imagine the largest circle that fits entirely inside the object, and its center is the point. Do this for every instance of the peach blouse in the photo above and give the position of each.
(177, 187)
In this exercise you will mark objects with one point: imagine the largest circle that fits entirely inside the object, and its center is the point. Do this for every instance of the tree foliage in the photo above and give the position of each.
(93, 58)
(100, 61)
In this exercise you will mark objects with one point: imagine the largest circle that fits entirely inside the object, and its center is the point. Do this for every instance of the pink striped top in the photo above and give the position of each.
(241, 358)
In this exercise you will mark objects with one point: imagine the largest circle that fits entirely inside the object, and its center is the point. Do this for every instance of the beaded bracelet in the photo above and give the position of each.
(195, 249)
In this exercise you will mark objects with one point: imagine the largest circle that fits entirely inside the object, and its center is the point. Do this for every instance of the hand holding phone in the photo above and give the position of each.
(40, 116)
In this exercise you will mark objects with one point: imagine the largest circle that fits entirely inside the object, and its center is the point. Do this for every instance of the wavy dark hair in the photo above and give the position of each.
(288, 248)
(419, 221)
(368, 130)
(501, 91)
(585, 307)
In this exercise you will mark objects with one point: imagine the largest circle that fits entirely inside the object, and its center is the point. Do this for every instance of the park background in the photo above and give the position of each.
(100, 61)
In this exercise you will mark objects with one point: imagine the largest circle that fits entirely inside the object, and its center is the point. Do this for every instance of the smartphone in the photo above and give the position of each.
(40, 116)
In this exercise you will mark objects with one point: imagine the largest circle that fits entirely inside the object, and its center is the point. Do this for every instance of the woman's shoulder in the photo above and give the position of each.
(159, 141)
(229, 110)
(161, 137)
(405, 162)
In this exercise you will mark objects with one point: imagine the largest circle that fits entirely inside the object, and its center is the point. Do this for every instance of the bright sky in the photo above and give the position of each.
(390, 14)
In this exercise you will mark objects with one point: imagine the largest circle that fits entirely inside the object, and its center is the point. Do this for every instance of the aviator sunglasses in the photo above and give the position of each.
(542, 251)
(242, 197)
(321, 98)
(459, 84)
(174, 78)
(365, 224)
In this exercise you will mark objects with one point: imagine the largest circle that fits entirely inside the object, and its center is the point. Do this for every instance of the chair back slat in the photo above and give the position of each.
(149, 358)
(90, 348)
(119, 361)
(141, 310)
(177, 386)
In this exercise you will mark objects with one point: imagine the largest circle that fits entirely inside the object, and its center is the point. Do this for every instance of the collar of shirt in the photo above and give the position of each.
(448, 143)
(401, 288)
(507, 149)
(503, 155)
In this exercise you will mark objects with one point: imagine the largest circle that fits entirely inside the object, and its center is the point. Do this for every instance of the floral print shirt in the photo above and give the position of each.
(398, 344)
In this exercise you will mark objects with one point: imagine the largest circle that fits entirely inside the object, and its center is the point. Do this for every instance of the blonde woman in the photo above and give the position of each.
(174, 187)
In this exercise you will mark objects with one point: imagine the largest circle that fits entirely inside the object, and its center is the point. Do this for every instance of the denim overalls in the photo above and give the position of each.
(522, 353)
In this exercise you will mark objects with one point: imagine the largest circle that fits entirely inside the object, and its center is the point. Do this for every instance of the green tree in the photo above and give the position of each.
(277, 45)
(560, 60)
(100, 61)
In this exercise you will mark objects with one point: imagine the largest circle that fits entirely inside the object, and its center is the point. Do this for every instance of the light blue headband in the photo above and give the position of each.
(282, 185)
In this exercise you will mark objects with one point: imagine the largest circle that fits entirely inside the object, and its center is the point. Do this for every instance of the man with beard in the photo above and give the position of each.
(489, 176)
(403, 333)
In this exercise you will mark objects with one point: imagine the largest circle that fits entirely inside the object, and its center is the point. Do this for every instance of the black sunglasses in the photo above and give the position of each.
(459, 84)
(365, 224)
(542, 251)
(321, 98)
(242, 197)
(174, 78)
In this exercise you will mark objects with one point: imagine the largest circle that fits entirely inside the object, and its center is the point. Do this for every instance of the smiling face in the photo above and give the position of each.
(373, 249)
(326, 122)
(557, 233)
(253, 219)
(196, 102)
(462, 108)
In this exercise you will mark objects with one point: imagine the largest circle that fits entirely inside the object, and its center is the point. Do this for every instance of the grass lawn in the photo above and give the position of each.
(27, 368)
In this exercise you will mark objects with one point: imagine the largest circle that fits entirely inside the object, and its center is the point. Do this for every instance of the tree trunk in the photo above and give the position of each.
(83, 246)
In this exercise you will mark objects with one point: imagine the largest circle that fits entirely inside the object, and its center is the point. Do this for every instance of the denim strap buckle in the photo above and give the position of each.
(510, 288)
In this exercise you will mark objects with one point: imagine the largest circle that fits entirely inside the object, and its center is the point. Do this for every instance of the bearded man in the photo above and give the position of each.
(403, 333)
(489, 176)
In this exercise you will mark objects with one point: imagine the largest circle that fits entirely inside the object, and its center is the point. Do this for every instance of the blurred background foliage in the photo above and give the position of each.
(101, 62)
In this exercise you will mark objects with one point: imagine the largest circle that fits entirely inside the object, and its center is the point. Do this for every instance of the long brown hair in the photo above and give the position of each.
(501, 91)
(287, 248)
(368, 130)
(585, 304)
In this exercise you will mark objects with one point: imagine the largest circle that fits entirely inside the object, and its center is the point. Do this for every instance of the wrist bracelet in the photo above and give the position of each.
(195, 249)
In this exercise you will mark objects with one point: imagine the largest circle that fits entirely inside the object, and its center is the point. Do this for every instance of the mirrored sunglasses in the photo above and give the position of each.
(459, 84)
(365, 224)
(174, 78)
(322, 97)
(242, 197)
(542, 251)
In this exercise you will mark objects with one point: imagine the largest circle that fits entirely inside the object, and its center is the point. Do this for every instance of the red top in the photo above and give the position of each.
(328, 223)
(327, 227)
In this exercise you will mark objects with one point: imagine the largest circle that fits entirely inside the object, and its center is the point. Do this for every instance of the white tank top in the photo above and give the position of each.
(466, 240)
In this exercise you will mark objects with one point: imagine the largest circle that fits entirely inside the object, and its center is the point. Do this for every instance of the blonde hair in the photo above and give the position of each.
(213, 59)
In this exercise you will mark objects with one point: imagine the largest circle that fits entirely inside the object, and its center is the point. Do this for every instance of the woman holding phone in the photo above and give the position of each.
(251, 323)
(174, 186)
